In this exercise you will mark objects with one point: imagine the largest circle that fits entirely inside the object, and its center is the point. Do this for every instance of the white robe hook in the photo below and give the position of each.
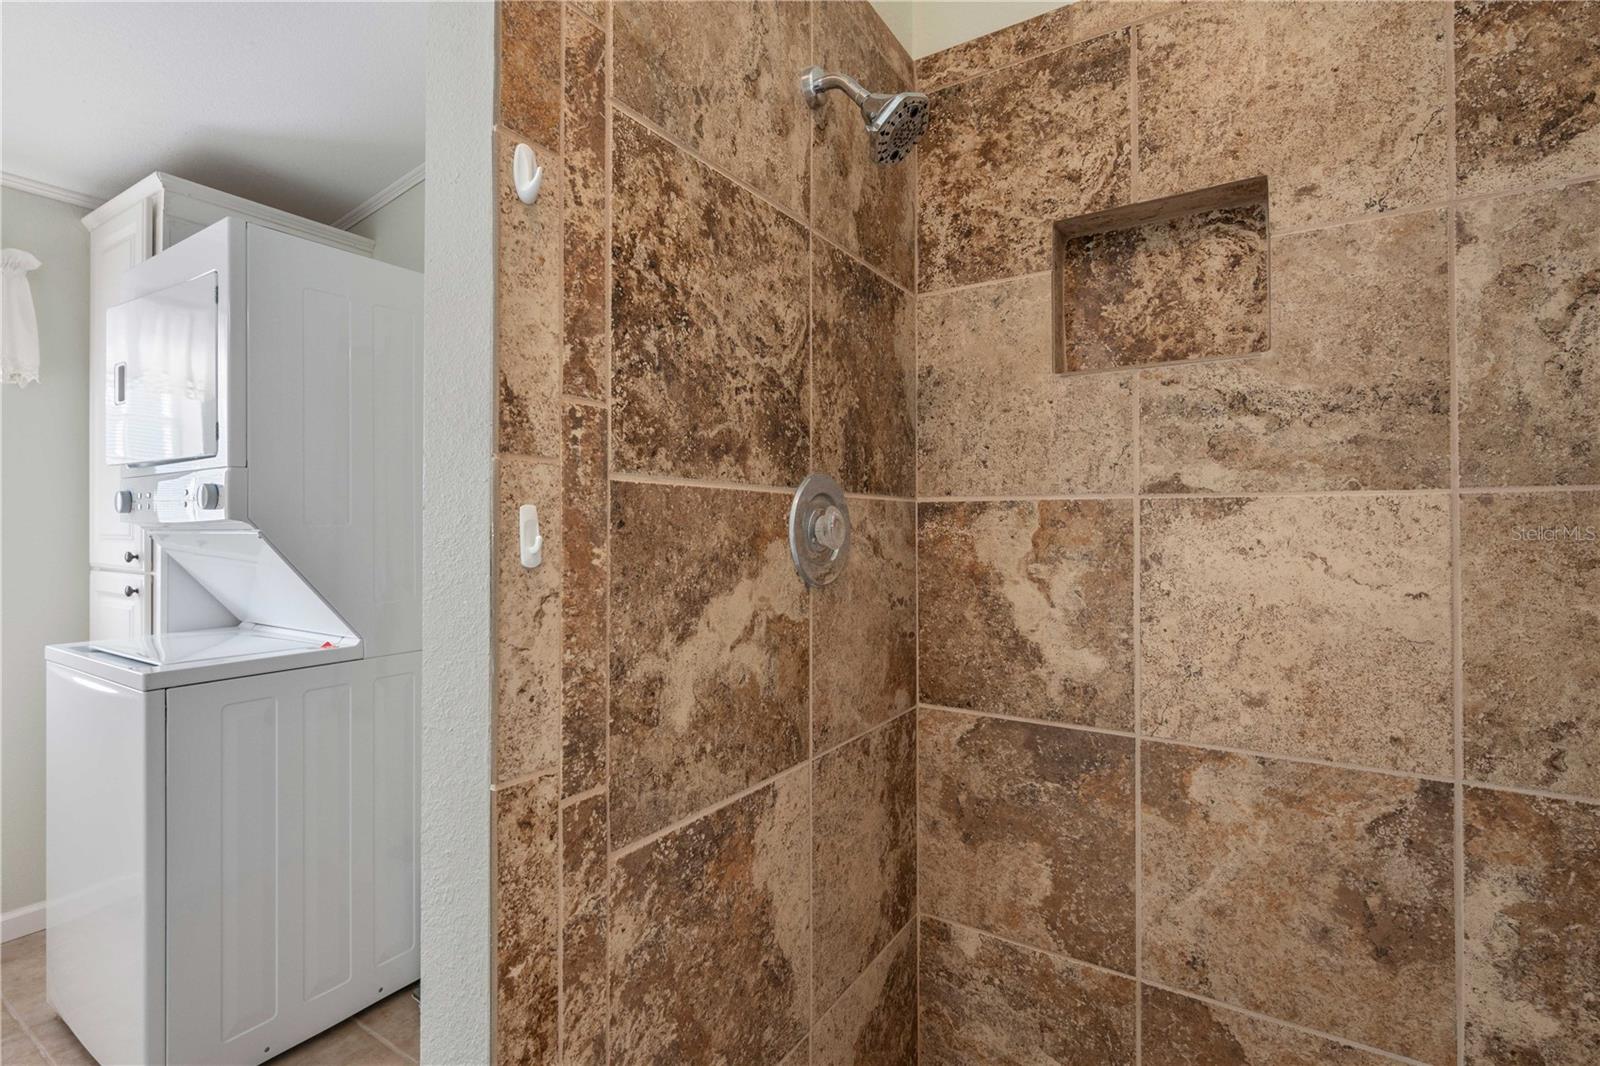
(526, 174)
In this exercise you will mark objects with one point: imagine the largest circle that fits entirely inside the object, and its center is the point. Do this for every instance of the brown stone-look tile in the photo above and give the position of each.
(864, 639)
(585, 910)
(709, 323)
(1526, 107)
(526, 921)
(1026, 609)
(593, 10)
(993, 416)
(1530, 640)
(710, 935)
(1191, 287)
(864, 880)
(586, 334)
(1179, 1031)
(1049, 32)
(1355, 393)
(864, 358)
(530, 69)
(984, 1000)
(874, 1023)
(527, 625)
(1528, 338)
(722, 79)
(867, 209)
(584, 569)
(528, 307)
(1026, 832)
(1008, 154)
(1532, 955)
(1310, 626)
(709, 656)
(1342, 106)
(1321, 896)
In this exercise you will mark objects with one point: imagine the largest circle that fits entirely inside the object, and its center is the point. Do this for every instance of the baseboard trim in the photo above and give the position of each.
(22, 921)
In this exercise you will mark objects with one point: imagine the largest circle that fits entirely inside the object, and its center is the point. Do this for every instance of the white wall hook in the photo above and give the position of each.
(532, 539)
(526, 174)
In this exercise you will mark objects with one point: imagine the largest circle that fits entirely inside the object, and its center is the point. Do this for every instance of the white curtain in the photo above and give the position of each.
(19, 328)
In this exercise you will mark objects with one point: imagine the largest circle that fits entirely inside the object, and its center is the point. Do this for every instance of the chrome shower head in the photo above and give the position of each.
(894, 120)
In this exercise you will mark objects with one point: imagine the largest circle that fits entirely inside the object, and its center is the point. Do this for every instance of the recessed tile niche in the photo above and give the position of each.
(1164, 281)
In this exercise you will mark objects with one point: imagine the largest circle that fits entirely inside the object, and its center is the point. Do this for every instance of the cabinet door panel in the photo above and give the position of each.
(284, 908)
(115, 613)
(115, 247)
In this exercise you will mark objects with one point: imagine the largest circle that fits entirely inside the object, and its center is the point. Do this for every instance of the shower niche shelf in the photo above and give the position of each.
(1174, 280)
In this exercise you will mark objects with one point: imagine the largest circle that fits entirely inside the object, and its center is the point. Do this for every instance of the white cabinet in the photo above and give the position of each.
(122, 240)
(119, 604)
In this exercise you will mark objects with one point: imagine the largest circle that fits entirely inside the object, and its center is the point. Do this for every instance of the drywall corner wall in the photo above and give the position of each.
(396, 229)
(925, 28)
(457, 446)
(44, 548)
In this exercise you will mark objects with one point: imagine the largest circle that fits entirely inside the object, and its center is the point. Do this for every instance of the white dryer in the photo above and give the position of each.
(232, 801)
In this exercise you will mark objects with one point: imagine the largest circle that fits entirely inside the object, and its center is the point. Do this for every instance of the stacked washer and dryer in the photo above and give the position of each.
(232, 801)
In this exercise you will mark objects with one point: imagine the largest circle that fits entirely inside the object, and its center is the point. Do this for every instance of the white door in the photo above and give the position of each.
(292, 891)
(118, 605)
(161, 365)
(115, 247)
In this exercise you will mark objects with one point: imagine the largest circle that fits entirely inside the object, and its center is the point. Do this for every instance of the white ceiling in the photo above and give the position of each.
(308, 107)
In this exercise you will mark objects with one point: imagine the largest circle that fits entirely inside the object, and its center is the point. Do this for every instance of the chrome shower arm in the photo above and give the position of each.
(815, 81)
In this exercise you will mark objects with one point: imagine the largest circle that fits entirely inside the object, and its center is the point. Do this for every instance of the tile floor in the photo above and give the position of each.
(31, 1033)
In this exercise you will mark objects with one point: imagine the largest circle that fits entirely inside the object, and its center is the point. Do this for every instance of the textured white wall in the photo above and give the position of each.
(396, 229)
(44, 520)
(457, 476)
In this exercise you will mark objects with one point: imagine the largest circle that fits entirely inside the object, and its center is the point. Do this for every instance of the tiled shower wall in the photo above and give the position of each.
(1259, 706)
(704, 793)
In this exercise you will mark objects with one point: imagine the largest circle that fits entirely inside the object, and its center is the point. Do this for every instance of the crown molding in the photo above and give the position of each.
(382, 198)
(50, 192)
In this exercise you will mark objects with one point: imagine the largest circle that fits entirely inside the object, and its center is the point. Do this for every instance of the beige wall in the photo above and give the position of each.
(44, 520)
(1261, 680)
(396, 229)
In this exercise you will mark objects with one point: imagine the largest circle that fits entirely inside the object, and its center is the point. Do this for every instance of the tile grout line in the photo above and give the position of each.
(608, 168)
(639, 843)
(1252, 753)
(379, 1037)
(1391, 1056)
(798, 218)
(736, 486)
(27, 1031)
(1297, 494)
(565, 205)
(863, 734)
(888, 946)
(1177, 991)
(1457, 630)
(1138, 726)
(811, 593)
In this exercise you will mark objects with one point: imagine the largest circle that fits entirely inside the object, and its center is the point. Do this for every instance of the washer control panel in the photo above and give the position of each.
(196, 496)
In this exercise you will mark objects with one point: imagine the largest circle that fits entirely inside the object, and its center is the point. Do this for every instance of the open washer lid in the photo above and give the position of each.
(228, 594)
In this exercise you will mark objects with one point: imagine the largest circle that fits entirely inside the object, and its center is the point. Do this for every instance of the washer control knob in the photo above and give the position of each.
(122, 501)
(210, 496)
